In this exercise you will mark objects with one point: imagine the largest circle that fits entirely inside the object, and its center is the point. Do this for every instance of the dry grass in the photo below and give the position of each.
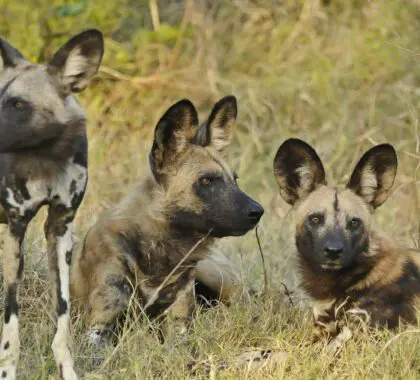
(343, 76)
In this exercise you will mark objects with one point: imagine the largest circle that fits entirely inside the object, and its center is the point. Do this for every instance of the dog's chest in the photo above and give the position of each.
(64, 189)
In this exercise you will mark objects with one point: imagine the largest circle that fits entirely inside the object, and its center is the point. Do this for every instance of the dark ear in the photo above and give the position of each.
(173, 132)
(217, 131)
(374, 175)
(78, 60)
(298, 170)
(10, 56)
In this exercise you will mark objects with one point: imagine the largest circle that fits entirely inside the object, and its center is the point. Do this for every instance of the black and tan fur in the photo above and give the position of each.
(43, 161)
(189, 199)
(348, 268)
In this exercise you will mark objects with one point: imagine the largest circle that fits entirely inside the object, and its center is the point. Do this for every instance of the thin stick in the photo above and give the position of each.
(114, 74)
(288, 293)
(154, 12)
(263, 262)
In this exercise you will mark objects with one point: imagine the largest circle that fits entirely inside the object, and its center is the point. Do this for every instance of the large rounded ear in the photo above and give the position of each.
(374, 174)
(176, 128)
(217, 130)
(298, 170)
(78, 60)
(10, 56)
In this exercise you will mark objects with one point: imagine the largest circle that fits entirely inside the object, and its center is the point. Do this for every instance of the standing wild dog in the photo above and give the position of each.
(348, 268)
(149, 245)
(43, 161)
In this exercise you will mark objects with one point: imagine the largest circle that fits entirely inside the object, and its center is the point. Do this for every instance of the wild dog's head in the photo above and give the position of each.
(200, 188)
(333, 224)
(36, 102)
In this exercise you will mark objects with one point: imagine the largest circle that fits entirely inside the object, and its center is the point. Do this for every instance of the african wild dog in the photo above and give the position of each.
(137, 246)
(348, 268)
(43, 161)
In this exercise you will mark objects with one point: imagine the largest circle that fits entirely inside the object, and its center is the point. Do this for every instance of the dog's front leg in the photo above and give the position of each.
(325, 323)
(12, 274)
(182, 309)
(58, 232)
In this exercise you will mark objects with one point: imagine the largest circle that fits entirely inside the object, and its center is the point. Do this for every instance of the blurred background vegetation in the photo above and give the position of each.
(341, 74)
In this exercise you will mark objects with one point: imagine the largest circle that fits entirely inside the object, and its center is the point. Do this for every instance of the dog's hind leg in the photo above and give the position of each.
(218, 279)
(59, 239)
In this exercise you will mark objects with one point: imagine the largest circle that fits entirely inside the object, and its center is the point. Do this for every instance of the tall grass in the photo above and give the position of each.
(342, 75)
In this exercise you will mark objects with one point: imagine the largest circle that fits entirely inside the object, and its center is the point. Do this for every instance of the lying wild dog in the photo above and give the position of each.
(135, 250)
(43, 161)
(349, 269)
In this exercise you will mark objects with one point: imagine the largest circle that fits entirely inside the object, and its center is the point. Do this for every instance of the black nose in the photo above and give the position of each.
(254, 211)
(333, 251)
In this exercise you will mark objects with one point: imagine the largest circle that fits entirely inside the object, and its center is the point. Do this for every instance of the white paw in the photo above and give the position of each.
(339, 341)
(97, 339)
(261, 358)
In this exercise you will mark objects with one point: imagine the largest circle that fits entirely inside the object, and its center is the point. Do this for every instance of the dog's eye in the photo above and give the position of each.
(19, 104)
(355, 223)
(316, 219)
(205, 181)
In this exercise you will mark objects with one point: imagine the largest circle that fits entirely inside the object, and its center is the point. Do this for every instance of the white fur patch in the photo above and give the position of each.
(9, 357)
(220, 138)
(61, 349)
(64, 244)
(38, 190)
(362, 314)
(76, 63)
(180, 140)
(306, 179)
(60, 344)
(79, 69)
(217, 272)
(369, 184)
(74, 172)
(96, 338)
(261, 358)
(338, 342)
